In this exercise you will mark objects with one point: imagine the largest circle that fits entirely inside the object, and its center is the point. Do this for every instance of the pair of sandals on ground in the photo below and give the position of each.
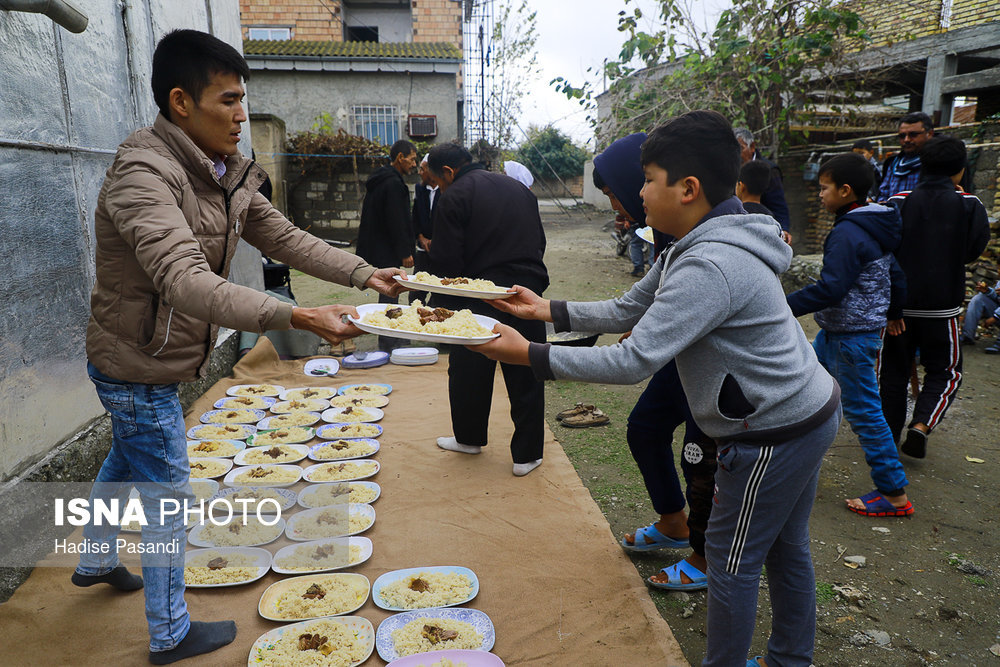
(582, 416)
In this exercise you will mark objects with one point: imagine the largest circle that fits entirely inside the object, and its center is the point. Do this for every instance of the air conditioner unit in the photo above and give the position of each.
(421, 126)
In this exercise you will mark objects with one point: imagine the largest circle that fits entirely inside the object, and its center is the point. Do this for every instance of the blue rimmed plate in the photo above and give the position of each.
(337, 431)
(477, 619)
(371, 449)
(221, 432)
(239, 402)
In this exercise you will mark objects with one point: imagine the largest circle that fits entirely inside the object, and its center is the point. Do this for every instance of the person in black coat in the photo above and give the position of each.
(424, 197)
(487, 226)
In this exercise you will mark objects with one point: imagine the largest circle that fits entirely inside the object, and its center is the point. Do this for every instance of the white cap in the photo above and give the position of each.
(518, 172)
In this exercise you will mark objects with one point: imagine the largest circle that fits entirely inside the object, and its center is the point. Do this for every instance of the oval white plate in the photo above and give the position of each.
(288, 498)
(362, 627)
(314, 405)
(227, 464)
(477, 619)
(252, 418)
(292, 394)
(266, 423)
(240, 459)
(238, 444)
(314, 457)
(454, 291)
(330, 431)
(308, 472)
(228, 404)
(212, 484)
(334, 415)
(354, 508)
(195, 539)
(230, 479)
(324, 367)
(262, 561)
(267, 607)
(197, 432)
(457, 656)
(345, 401)
(306, 493)
(285, 552)
(390, 577)
(379, 388)
(487, 322)
(274, 391)
(310, 432)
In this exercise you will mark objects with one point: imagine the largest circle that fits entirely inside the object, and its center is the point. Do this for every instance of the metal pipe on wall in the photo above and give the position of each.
(63, 12)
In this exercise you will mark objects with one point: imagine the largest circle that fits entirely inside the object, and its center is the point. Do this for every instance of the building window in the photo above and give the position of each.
(276, 34)
(362, 33)
(379, 123)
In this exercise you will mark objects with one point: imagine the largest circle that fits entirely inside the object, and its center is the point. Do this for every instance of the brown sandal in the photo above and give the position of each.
(578, 409)
(592, 417)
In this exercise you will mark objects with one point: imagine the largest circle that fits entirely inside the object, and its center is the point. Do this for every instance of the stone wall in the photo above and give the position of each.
(545, 188)
(268, 133)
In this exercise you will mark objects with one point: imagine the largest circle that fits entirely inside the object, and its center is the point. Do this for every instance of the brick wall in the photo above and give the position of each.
(310, 20)
(898, 20)
(548, 188)
(437, 21)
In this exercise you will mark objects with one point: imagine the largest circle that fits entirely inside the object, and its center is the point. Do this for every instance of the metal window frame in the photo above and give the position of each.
(270, 28)
(366, 117)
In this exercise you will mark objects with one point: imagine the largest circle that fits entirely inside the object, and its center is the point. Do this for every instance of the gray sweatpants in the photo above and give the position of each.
(760, 514)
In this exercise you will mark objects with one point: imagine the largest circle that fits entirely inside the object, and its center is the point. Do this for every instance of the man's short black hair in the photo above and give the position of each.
(447, 155)
(943, 155)
(699, 144)
(850, 169)
(598, 181)
(755, 176)
(864, 145)
(187, 59)
(403, 147)
(917, 117)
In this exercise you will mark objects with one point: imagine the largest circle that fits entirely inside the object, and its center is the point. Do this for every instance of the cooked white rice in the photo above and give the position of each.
(334, 472)
(231, 569)
(344, 449)
(291, 419)
(258, 390)
(275, 454)
(462, 323)
(221, 432)
(235, 402)
(333, 596)
(255, 495)
(376, 389)
(232, 417)
(331, 522)
(236, 534)
(353, 414)
(217, 448)
(353, 431)
(323, 495)
(309, 392)
(298, 405)
(266, 476)
(342, 648)
(282, 436)
(202, 490)
(311, 557)
(204, 469)
(408, 639)
(477, 284)
(359, 401)
(442, 589)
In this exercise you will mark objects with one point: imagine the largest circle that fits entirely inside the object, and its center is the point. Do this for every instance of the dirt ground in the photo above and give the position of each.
(927, 592)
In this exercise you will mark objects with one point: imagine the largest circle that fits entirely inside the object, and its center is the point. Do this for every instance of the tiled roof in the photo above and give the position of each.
(351, 50)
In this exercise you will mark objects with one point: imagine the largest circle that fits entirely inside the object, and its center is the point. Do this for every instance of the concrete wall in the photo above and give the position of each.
(394, 25)
(269, 143)
(572, 186)
(591, 194)
(299, 97)
(67, 102)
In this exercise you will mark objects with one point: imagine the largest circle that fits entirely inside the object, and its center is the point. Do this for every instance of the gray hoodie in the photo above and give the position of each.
(714, 302)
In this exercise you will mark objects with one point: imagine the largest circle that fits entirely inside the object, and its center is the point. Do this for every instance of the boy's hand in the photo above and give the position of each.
(328, 322)
(524, 304)
(510, 348)
(382, 282)
(895, 327)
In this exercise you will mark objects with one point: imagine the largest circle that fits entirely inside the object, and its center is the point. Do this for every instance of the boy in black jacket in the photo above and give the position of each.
(943, 230)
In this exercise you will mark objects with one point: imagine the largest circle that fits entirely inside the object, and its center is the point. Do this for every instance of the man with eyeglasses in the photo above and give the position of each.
(902, 171)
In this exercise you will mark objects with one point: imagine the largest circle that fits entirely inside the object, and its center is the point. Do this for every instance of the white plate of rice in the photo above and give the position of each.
(237, 402)
(219, 567)
(209, 468)
(346, 471)
(400, 634)
(343, 449)
(336, 493)
(332, 521)
(221, 432)
(234, 416)
(322, 555)
(348, 431)
(254, 495)
(288, 419)
(477, 288)
(278, 475)
(450, 658)
(236, 532)
(255, 390)
(301, 393)
(352, 415)
(219, 449)
(314, 596)
(254, 456)
(366, 389)
(300, 405)
(292, 435)
(463, 328)
(359, 401)
(425, 588)
(351, 636)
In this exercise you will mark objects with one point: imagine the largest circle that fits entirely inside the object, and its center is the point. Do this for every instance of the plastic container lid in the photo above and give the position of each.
(366, 359)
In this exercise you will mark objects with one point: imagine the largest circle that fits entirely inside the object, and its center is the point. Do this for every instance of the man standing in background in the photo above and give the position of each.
(901, 172)
(774, 197)
(424, 197)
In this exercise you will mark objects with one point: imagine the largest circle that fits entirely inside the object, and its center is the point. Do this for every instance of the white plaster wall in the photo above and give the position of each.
(394, 25)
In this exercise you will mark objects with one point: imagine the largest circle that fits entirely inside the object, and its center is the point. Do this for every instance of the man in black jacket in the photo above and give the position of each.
(424, 197)
(385, 235)
(943, 230)
(487, 226)
(774, 196)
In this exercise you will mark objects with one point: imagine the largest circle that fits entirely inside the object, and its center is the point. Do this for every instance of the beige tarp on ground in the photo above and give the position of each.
(553, 580)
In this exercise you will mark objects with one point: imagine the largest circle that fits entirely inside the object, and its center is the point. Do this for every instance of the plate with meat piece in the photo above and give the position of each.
(431, 325)
(302, 393)
(331, 640)
(359, 401)
(326, 555)
(220, 449)
(425, 588)
(314, 596)
(344, 431)
(366, 389)
(288, 419)
(351, 415)
(255, 456)
(430, 630)
(275, 475)
(236, 416)
(237, 402)
(255, 390)
(220, 567)
(221, 432)
(474, 288)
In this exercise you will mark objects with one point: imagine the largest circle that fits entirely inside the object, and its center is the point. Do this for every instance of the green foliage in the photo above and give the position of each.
(824, 592)
(547, 152)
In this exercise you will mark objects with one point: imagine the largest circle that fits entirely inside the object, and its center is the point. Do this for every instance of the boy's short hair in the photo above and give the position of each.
(755, 176)
(598, 181)
(864, 145)
(448, 155)
(403, 147)
(943, 156)
(850, 169)
(917, 117)
(699, 144)
(187, 59)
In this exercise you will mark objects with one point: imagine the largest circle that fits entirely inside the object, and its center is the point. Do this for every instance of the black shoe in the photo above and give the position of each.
(993, 349)
(915, 444)
(967, 341)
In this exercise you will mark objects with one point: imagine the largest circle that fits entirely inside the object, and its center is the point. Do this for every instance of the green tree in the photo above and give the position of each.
(515, 63)
(547, 152)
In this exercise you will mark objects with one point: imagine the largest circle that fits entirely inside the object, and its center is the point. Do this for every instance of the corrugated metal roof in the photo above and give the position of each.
(351, 50)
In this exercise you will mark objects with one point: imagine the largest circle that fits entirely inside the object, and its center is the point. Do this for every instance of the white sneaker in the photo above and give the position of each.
(522, 469)
(453, 445)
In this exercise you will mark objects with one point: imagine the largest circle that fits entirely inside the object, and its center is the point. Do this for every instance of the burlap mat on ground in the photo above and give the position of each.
(553, 580)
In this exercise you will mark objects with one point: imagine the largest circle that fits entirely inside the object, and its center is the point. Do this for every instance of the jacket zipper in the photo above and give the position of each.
(228, 197)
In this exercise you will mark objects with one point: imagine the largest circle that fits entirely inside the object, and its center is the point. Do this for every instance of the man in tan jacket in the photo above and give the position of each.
(174, 204)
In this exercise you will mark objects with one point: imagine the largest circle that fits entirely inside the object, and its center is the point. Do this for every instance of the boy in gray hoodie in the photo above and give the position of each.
(714, 303)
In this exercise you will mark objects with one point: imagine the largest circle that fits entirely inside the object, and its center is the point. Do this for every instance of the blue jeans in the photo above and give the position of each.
(149, 448)
(980, 307)
(850, 358)
(640, 252)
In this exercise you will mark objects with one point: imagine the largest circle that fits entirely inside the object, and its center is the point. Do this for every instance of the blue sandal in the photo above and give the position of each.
(699, 580)
(659, 541)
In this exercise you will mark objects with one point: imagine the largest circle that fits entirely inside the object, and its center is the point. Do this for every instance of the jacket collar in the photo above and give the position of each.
(193, 158)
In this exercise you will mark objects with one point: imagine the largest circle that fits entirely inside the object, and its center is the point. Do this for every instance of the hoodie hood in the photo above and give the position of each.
(881, 222)
(381, 175)
(621, 170)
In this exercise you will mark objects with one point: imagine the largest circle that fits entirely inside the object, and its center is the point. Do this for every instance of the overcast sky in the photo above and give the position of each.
(572, 36)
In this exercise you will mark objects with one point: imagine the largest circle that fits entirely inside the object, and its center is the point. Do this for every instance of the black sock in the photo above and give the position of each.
(201, 638)
(119, 577)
